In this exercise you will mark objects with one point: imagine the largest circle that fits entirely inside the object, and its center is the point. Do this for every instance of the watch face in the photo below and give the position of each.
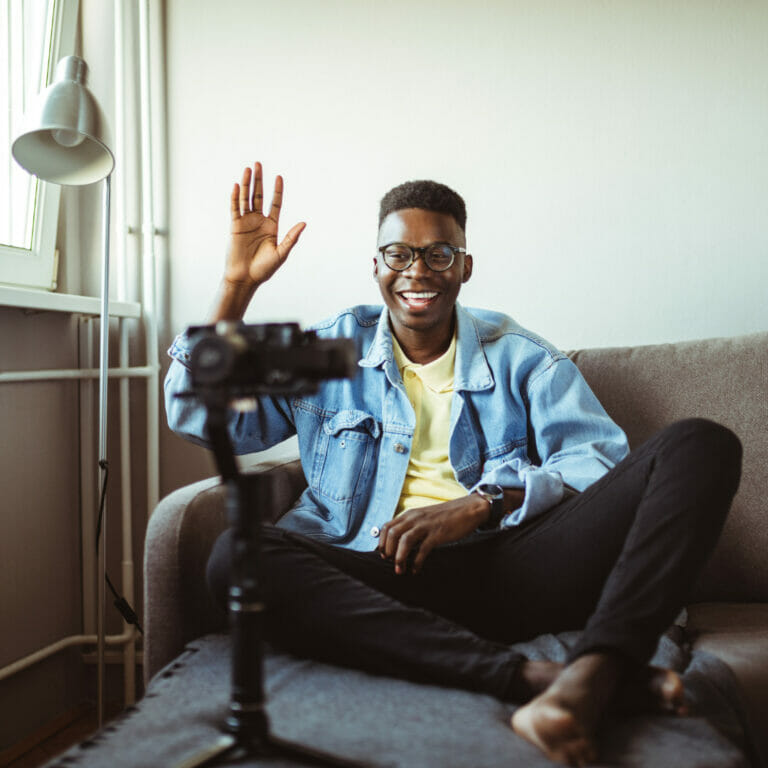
(490, 489)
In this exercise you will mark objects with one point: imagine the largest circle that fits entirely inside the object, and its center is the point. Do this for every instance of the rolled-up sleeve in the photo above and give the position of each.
(250, 431)
(574, 439)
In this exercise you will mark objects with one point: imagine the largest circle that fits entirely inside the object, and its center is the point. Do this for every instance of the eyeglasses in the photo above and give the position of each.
(437, 256)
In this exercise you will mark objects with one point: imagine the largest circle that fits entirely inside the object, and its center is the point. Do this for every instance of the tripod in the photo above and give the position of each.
(247, 723)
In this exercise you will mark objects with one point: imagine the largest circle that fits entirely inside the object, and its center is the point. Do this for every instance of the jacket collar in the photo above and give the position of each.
(472, 372)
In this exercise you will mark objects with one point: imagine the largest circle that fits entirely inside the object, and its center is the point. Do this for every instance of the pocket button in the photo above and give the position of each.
(400, 448)
(375, 531)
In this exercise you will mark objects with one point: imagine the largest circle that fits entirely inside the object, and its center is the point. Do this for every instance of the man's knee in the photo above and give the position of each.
(711, 446)
(219, 567)
(715, 438)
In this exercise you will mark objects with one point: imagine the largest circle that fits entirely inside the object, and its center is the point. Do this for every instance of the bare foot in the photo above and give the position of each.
(532, 678)
(652, 689)
(555, 730)
(563, 719)
(649, 689)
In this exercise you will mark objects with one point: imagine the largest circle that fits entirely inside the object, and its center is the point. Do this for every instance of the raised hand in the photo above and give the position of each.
(254, 254)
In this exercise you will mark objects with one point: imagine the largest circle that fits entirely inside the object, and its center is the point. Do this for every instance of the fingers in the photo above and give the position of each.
(247, 198)
(422, 551)
(290, 239)
(408, 544)
(390, 535)
(402, 539)
(246, 211)
(277, 199)
(235, 202)
(245, 186)
(258, 190)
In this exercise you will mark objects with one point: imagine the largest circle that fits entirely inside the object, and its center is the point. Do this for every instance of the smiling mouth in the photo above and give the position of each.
(418, 298)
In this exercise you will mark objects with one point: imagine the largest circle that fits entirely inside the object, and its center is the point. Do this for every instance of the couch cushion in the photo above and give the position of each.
(392, 723)
(645, 388)
(738, 634)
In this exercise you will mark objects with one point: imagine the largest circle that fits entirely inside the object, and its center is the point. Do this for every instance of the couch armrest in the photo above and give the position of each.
(180, 535)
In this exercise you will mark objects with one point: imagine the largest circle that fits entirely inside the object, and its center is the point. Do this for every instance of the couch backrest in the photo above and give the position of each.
(726, 380)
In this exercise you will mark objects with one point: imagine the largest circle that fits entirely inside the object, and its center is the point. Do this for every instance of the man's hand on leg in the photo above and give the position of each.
(417, 532)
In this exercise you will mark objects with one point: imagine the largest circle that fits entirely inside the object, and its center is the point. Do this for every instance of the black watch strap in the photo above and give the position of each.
(494, 495)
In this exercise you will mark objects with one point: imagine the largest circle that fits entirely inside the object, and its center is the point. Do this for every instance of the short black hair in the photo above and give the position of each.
(428, 195)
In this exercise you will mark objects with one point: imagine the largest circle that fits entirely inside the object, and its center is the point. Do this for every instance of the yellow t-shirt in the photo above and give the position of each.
(429, 478)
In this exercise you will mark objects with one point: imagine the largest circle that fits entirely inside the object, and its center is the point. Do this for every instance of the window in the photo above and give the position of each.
(34, 35)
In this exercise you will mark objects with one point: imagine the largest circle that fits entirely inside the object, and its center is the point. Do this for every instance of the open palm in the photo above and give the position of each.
(254, 254)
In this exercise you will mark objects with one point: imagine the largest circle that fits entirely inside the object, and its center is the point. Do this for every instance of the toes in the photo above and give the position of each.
(555, 732)
(654, 689)
(672, 693)
(580, 752)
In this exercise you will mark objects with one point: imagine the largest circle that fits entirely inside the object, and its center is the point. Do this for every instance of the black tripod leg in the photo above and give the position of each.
(307, 755)
(247, 717)
(248, 724)
(215, 753)
(227, 750)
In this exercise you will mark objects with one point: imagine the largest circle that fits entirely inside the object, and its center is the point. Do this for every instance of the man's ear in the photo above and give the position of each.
(467, 268)
(375, 268)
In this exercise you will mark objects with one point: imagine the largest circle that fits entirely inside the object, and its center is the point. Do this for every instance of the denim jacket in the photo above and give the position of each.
(522, 416)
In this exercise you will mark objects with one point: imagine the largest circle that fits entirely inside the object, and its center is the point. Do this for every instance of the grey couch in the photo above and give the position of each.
(643, 388)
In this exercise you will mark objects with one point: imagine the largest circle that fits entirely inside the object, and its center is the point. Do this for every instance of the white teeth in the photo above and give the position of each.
(419, 294)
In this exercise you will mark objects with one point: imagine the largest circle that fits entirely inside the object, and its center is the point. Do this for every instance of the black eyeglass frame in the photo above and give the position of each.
(413, 250)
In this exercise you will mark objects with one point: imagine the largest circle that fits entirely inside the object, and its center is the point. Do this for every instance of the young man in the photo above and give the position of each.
(466, 490)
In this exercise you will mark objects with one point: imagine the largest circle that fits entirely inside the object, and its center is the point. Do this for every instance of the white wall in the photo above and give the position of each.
(613, 155)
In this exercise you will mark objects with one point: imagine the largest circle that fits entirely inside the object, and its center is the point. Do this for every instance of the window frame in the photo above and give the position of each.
(37, 267)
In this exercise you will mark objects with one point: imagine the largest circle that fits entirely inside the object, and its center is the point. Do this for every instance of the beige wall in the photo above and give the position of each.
(40, 534)
(40, 538)
(612, 155)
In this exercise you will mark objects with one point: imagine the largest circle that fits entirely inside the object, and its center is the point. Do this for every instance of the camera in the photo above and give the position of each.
(239, 360)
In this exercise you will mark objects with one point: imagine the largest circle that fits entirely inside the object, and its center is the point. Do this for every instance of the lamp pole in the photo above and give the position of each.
(101, 540)
(65, 140)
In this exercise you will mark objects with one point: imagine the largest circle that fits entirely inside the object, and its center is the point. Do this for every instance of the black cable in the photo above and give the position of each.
(105, 466)
(122, 605)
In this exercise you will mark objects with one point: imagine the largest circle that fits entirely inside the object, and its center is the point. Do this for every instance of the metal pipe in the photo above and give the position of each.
(126, 506)
(60, 645)
(129, 657)
(88, 480)
(149, 302)
(11, 377)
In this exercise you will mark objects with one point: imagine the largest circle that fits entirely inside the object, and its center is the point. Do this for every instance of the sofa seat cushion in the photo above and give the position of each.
(396, 724)
(737, 633)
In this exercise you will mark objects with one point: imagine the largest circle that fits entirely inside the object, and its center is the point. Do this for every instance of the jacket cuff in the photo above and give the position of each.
(543, 490)
(180, 349)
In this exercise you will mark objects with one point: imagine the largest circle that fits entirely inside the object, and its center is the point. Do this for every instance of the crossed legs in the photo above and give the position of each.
(617, 560)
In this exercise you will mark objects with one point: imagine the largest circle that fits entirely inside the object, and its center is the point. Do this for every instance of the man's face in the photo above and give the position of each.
(419, 299)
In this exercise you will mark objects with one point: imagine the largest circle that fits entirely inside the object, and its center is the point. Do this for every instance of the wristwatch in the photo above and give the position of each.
(494, 495)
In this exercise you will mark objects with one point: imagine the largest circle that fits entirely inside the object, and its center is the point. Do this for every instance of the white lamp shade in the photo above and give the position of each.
(65, 137)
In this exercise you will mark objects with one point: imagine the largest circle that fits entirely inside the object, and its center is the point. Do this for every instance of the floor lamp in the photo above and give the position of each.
(65, 141)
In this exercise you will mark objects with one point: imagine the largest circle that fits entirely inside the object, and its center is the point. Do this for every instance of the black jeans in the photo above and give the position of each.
(617, 561)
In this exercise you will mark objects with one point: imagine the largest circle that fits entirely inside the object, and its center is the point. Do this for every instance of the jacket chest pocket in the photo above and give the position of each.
(345, 455)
